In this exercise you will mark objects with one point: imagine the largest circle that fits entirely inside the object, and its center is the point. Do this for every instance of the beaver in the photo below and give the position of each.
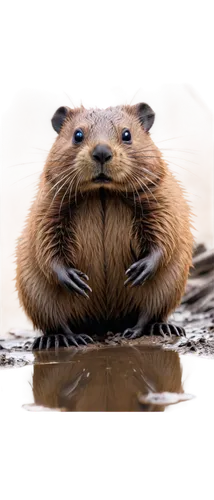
(107, 245)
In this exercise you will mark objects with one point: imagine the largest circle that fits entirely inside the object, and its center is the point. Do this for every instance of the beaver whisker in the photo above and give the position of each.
(56, 183)
(75, 194)
(7, 184)
(144, 187)
(144, 177)
(184, 159)
(147, 188)
(182, 168)
(25, 163)
(57, 193)
(60, 207)
(130, 180)
(189, 151)
(148, 172)
(171, 139)
(70, 183)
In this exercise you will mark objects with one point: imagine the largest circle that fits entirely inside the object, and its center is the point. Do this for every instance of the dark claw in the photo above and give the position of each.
(72, 287)
(87, 338)
(140, 271)
(140, 279)
(80, 273)
(75, 277)
(72, 341)
(76, 339)
(166, 329)
(46, 342)
(132, 267)
(80, 339)
(132, 333)
(70, 279)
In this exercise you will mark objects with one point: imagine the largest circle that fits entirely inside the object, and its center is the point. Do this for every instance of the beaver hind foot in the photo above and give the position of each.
(154, 329)
(56, 341)
(166, 329)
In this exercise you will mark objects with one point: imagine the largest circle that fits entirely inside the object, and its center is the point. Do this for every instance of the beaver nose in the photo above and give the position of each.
(102, 153)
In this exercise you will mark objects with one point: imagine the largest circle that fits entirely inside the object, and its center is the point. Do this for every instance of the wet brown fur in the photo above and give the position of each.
(102, 230)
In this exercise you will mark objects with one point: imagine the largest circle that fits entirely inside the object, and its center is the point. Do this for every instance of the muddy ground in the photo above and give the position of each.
(17, 352)
(195, 314)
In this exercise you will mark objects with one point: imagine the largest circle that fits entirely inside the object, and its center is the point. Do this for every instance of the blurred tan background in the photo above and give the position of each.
(182, 131)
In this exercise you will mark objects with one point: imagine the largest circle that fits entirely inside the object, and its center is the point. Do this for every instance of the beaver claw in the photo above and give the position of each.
(132, 333)
(154, 329)
(46, 342)
(70, 278)
(166, 329)
(143, 269)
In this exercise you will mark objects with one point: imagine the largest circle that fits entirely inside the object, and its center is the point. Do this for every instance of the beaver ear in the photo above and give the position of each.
(59, 117)
(146, 115)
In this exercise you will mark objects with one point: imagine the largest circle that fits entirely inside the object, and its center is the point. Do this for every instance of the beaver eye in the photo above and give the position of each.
(78, 135)
(126, 135)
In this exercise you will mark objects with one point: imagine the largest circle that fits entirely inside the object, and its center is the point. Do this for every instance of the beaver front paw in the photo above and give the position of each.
(70, 279)
(55, 341)
(145, 268)
(166, 329)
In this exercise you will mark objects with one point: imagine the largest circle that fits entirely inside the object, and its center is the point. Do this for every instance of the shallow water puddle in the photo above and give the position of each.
(118, 378)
